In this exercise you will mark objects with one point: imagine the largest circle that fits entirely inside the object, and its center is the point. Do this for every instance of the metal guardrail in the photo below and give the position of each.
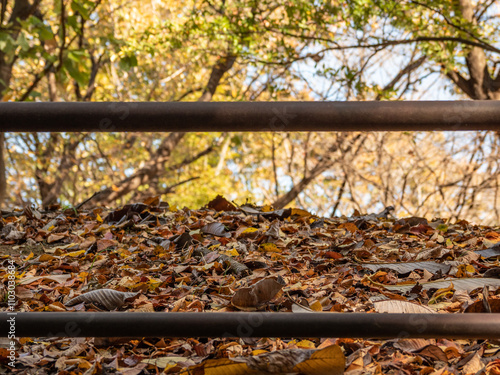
(256, 116)
(256, 324)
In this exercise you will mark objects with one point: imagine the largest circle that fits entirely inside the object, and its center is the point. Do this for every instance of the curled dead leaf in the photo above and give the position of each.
(216, 229)
(220, 203)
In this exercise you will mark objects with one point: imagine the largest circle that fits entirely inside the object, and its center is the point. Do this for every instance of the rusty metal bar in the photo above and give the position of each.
(250, 116)
(241, 324)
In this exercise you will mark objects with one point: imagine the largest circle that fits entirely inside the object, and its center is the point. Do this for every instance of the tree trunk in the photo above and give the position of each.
(21, 10)
(480, 85)
(5, 74)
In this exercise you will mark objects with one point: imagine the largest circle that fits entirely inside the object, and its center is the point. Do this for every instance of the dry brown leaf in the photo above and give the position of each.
(147, 307)
(474, 365)
(57, 278)
(55, 237)
(479, 306)
(75, 350)
(258, 294)
(216, 229)
(410, 345)
(225, 366)
(434, 352)
(221, 204)
(327, 361)
(152, 201)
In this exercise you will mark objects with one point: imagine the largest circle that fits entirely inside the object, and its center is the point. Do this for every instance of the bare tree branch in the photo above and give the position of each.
(155, 166)
(406, 70)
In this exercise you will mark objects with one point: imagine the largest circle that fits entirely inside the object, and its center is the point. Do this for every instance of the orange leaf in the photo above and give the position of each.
(332, 255)
(351, 227)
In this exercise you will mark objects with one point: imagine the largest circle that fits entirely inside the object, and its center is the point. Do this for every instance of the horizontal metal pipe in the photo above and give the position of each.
(242, 324)
(250, 116)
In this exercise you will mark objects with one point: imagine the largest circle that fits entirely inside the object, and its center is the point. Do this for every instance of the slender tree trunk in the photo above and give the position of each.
(3, 175)
(21, 10)
(5, 74)
(220, 68)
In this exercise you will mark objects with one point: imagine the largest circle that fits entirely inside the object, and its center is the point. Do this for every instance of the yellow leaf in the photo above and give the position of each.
(154, 283)
(98, 218)
(259, 351)
(164, 362)
(276, 256)
(7, 97)
(267, 208)
(82, 276)
(249, 230)
(29, 256)
(299, 212)
(442, 227)
(306, 344)
(443, 292)
(316, 306)
(232, 252)
(327, 361)
(124, 253)
(465, 270)
(25, 340)
(206, 267)
(269, 248)
(470, 268)
(75, 253)
(225, 366)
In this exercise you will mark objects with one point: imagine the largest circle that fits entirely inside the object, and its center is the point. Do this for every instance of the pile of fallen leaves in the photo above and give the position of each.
(150, 257)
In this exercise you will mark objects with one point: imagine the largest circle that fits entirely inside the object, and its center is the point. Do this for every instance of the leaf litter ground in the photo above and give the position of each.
(150, 257)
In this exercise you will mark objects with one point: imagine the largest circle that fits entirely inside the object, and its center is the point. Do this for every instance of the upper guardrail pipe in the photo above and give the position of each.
(254, 324)
(249, 116)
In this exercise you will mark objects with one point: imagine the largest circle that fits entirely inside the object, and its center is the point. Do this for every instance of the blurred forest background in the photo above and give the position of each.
(254, 50)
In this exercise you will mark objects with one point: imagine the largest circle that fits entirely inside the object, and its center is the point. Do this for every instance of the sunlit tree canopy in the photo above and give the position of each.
(225, 50)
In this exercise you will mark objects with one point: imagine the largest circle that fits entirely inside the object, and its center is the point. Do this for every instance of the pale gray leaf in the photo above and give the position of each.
(401, 307)
(407, 267)
(491, 252)
(109, 298)
(467, 284)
